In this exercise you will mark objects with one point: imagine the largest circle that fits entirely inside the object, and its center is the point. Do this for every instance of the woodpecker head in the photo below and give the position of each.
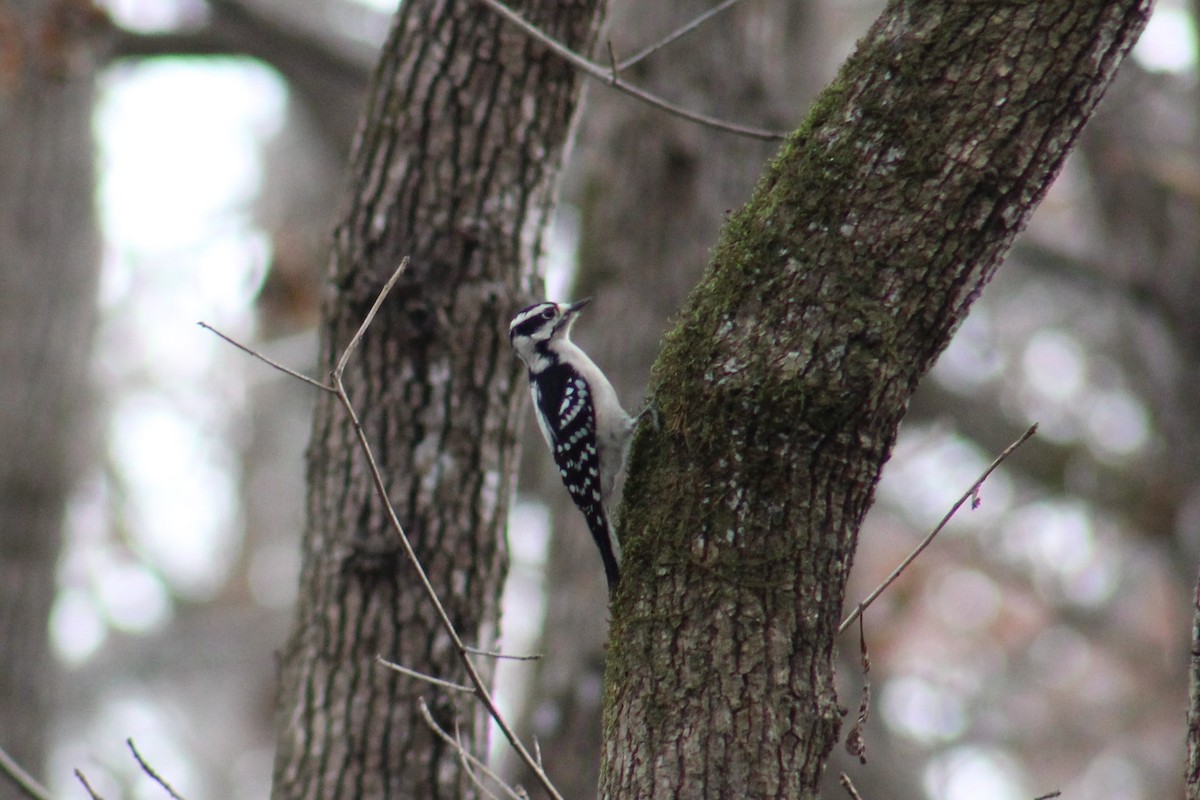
(534, 329)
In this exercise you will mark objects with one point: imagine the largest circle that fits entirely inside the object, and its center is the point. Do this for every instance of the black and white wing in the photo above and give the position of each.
(568, 420)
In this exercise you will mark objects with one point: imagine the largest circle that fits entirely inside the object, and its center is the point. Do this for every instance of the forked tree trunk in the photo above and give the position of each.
(781, 389)
(455, 167)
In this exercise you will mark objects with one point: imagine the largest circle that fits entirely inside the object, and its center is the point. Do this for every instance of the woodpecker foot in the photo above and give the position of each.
(650, 411)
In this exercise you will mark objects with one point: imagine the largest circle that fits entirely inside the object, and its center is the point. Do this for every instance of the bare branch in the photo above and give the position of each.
(412, 673)
(849, 787)
(366, 323)
(469, 760)
(477, 685)
(464, 758)
(260, 30)
(614, 67)
(970, 493)
(608, 76)
(267, 361)
(475, 651)
(470, 771)
(1055, 793)
(856, 745)
(23, 780)
(480, 687)
(146, 768)
(91, 792)
(678, 33)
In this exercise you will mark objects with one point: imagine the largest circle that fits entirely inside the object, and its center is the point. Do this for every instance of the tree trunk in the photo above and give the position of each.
(649, 196)
(455, 167)
(781, 389)
(1191, 772)
(49, 253)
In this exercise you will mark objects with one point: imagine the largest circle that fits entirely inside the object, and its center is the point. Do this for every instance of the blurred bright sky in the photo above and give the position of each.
(179, 151)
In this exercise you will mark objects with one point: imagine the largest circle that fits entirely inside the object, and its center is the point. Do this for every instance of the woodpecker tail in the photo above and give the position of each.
(606, 539)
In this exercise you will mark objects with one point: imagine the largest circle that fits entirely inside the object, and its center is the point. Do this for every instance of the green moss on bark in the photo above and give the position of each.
(783, 383)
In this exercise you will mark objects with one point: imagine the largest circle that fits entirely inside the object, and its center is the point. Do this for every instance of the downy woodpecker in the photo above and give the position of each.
(582, 420)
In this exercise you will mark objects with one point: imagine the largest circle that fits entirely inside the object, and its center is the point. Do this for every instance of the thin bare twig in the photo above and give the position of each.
(849, 787)
(856, 744)
(678, 33)
(24, 781)
(467, 768)
(267, 361)
(481, 690)
(421, 676)
(973, 492)
(1055, 793)
(468, 758)
(478, 686)
(91, 792)
(146, 768)
(610, 77)
(475, 651)
(340, 369)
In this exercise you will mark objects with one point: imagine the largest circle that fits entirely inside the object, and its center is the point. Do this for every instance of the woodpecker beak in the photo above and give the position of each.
(577, 306)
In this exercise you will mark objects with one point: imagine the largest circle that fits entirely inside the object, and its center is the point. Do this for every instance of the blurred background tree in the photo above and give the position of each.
(49, 263)
(1040, 645)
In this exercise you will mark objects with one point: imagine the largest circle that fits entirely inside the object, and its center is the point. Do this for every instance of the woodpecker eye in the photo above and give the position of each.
(548, 313)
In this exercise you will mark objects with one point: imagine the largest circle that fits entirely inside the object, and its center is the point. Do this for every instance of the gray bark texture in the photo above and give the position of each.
(1191, 772)
(49, 257)
(650, 189)
(828, 296)
(455, 166)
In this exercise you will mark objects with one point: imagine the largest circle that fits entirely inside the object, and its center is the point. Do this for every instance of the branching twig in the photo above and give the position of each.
(610, 76)
(678, 33)
(970, 493)
(24, 781)
(469, 760)
(475, 651)
(464, 758)
(481, 690)
(340, 369)
(267, 361)
(146, 768)
(477, 685)
(421, 676)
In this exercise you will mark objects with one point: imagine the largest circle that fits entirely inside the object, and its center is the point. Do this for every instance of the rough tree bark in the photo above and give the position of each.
(1191, 771)
(455, 167)
(650, 189)
(49, 258)
(781, 389)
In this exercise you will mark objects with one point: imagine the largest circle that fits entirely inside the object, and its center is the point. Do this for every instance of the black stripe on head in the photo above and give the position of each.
(532, 319)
